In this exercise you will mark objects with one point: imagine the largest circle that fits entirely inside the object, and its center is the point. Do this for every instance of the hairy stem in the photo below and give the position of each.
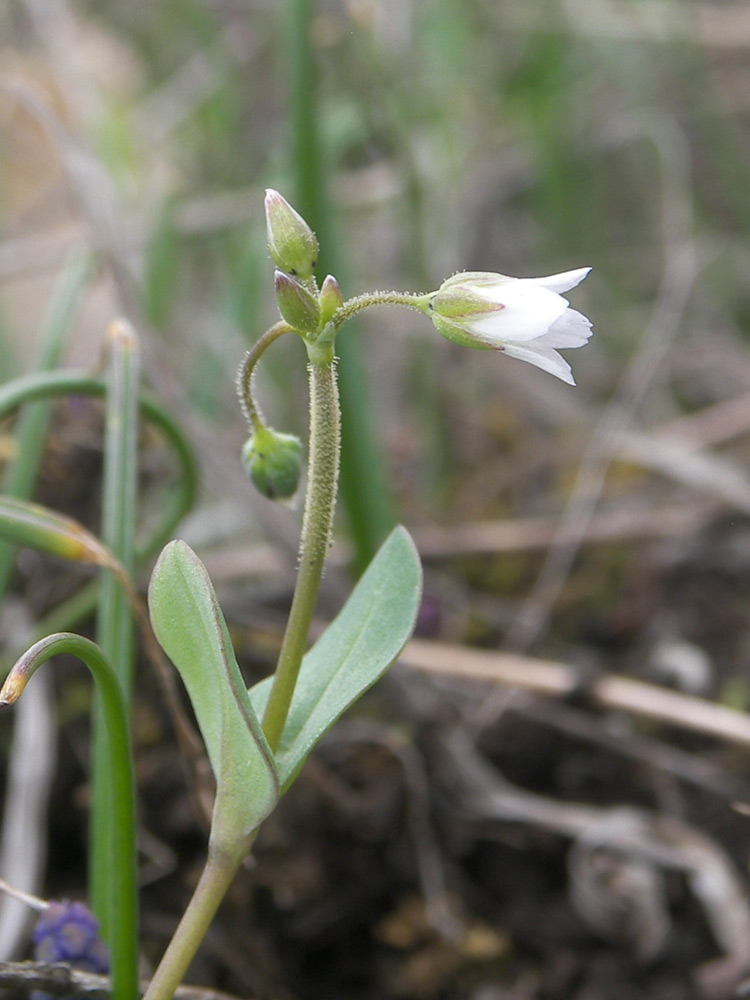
(247, 371)
(412, 300)
(320, 500)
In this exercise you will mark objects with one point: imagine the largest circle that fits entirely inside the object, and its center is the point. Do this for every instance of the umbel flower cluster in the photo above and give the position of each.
(525, 318)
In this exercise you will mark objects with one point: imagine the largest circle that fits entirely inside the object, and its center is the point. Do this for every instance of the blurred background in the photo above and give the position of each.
(604, 526)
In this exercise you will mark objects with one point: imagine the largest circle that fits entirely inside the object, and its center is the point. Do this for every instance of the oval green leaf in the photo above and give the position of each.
(355, 651)
(191, 629)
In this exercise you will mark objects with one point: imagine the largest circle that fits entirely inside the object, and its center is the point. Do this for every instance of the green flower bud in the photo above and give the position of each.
(297, 304)
(293, 245)
(331, 299)
(273, 461)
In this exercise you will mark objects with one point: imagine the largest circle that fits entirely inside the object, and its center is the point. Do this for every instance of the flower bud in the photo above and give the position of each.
(273, 461)
(291, 242)
(331, 299)
(297, 304)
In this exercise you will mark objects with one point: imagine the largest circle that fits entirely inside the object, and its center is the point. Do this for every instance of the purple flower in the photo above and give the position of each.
(69, 932)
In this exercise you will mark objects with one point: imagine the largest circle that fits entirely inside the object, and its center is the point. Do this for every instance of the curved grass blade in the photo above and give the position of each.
(123, 938)
(30, 524)
(21, 473)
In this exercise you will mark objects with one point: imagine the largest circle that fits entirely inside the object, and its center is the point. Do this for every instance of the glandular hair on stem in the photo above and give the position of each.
(323, 463)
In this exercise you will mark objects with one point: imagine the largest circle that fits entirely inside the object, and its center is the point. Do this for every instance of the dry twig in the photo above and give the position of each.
(60, 980)
(560, 680)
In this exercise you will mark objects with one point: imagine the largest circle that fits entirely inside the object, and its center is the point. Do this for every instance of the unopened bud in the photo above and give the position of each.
(273, 461)
(331, 299)
(297, 304)
(291, 242)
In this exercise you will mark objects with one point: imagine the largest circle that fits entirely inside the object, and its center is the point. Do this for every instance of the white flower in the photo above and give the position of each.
(525, 317)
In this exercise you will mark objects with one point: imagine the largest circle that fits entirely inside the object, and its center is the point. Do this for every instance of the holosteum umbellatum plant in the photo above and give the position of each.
(258, 739)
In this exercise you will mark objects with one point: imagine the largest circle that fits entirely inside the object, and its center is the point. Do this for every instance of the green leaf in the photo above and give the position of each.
(354, 651)
(191, 629)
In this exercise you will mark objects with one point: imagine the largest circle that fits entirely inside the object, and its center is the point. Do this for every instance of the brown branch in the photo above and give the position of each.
(560, 680)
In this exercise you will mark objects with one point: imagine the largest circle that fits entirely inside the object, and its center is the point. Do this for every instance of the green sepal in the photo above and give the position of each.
(456, 333)
(331, 299)
(273, 461)
(298, 304)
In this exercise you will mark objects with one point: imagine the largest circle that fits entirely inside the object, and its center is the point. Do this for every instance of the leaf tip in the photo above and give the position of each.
(12, 689)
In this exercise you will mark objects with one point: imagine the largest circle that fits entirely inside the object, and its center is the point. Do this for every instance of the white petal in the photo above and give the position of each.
(561, 282)
(528, 312)
(544, 358)
(572, 329)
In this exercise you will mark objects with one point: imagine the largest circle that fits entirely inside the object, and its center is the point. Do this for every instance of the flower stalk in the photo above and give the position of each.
(317, 525)
(411, 300)
(246, 373)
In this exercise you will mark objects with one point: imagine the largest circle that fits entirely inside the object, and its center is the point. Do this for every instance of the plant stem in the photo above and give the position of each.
(221, 867)
(247, 371)
(320, 500)
(412, 300)
(365, 488)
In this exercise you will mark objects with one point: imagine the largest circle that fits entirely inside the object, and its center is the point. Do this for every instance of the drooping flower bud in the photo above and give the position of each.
(331, 299)
(273, 461)
(297, 304)
(291, 242)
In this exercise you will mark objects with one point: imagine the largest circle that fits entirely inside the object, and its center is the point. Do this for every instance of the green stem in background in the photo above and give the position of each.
(115, 630)
(21, 473)
(320, 501)
(122, 859)
(43, 385)
(247, 371)
(365, 492)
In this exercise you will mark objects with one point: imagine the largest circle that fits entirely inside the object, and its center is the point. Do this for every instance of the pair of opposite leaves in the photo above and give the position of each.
(354, 651)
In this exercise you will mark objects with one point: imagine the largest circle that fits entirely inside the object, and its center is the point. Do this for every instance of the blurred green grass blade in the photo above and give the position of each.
(42, 385)
(364, 484)
(162, 267)
(115, 628)
(21, 473)
(120, 489)
(30, 524)
(246, 261)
